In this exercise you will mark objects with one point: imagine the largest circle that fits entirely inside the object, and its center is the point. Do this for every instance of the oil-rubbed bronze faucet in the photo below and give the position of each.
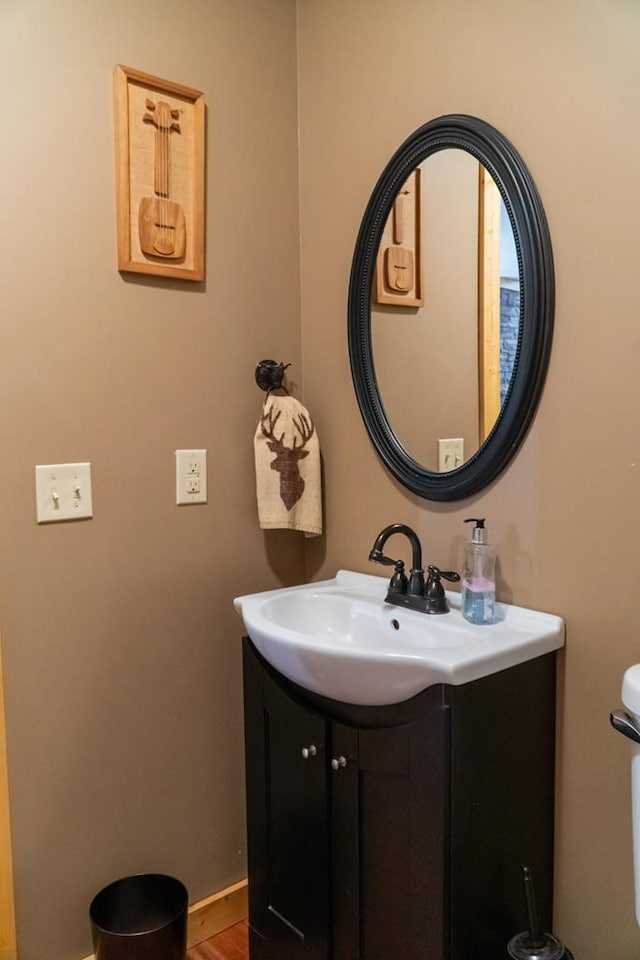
(413, 592)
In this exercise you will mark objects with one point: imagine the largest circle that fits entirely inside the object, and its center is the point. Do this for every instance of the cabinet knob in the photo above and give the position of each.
(338, 762)
(309, 751)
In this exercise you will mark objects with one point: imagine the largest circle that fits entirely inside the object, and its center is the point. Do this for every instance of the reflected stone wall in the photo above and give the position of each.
(509, 323)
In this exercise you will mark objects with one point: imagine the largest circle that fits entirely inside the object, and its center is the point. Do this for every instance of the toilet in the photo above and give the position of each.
(628, 723)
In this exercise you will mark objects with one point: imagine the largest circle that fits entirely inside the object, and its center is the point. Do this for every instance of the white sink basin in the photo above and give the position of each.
(340, 639)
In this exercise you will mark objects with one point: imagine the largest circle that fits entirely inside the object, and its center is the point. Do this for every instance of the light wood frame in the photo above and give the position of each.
(488, 302)
(159, 134)
(7, 918)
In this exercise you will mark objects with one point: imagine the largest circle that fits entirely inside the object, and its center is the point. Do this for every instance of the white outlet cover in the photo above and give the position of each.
(63, 492)
(191, 476)
(450, 454)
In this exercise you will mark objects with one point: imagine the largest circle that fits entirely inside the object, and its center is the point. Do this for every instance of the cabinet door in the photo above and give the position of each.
(399, 843)
(345, 842)
(287, 823)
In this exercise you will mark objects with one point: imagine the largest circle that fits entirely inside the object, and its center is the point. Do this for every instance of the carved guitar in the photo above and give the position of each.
(161, 221)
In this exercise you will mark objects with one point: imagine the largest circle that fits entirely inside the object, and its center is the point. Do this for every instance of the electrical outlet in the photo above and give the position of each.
(191, 476)
(63, 492)
(450, 454)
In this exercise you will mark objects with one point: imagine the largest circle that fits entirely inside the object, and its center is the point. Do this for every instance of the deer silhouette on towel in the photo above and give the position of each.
(287, 458)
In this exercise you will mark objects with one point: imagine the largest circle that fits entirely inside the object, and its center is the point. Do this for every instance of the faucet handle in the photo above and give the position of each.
(377, 556)
(436, 573)
(434, 592)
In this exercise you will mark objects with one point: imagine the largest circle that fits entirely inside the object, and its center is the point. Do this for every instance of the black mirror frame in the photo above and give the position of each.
(537, 298)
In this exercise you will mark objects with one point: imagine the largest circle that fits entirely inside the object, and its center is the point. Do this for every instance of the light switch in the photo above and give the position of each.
(191, 476)
(63, 492)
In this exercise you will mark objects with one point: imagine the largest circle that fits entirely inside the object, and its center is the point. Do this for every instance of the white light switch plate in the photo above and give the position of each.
(63, 492)
(191, 476)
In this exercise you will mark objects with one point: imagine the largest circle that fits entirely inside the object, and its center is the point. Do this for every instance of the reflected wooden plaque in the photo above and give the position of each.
(399, 263)
(159, 176)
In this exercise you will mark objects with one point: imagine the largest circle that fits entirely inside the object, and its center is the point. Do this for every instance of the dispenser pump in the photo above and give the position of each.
(479, 534)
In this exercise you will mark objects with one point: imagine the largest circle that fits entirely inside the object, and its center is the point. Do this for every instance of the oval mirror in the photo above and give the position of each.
(451, 308)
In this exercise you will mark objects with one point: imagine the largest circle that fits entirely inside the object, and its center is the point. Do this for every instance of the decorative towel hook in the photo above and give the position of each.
(269, 375)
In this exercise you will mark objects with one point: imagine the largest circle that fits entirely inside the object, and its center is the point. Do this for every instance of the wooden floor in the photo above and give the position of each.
(231, 944)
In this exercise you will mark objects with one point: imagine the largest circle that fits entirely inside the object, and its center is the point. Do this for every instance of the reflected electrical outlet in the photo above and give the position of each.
(450, 454)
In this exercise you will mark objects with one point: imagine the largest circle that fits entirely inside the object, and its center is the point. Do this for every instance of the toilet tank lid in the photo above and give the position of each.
(631, 689)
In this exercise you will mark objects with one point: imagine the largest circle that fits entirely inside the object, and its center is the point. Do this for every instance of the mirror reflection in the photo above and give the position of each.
(445, 310)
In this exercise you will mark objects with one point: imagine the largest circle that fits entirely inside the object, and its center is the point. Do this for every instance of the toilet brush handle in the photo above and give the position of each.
(536, 937)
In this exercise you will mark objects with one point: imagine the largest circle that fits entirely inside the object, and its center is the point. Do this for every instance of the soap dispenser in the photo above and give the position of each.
(478, 576)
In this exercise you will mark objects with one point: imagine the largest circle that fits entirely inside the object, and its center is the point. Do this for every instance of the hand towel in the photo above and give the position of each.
(287, 453)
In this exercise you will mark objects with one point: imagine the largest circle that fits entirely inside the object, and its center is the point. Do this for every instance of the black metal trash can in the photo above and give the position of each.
(140, 918)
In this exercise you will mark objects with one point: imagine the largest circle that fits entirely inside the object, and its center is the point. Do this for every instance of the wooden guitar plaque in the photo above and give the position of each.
(159, 176)
(399, 263)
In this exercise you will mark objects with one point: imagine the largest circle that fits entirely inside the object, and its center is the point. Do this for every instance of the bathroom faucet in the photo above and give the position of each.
(412, 592)
(415, 586)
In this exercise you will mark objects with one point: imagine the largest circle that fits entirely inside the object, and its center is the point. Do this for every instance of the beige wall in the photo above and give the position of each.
(120, 646)
(560, 80)
(120, 643)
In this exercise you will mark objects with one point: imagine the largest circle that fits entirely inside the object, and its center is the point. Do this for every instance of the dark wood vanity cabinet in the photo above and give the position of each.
(397, 832)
